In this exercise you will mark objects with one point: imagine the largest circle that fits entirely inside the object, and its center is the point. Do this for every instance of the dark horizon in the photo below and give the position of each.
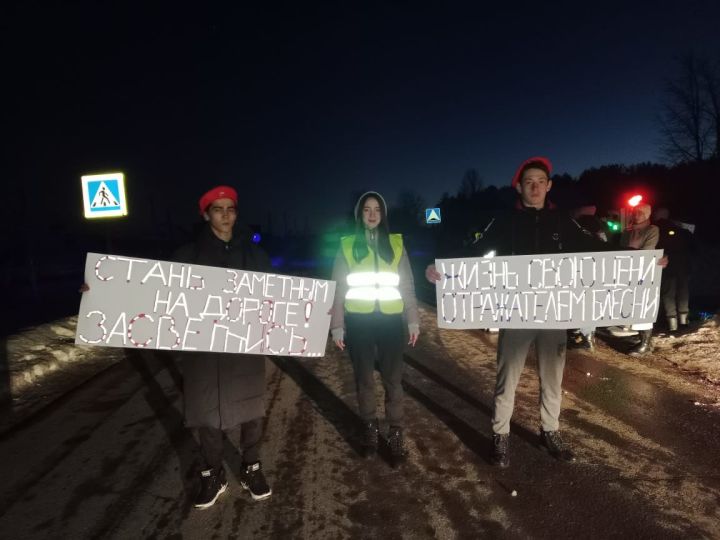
(300, 107)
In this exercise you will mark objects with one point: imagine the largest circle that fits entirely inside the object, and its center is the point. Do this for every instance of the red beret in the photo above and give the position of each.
(219, 192)
(539, 159)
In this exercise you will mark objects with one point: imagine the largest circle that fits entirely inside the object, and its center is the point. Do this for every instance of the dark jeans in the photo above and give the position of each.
(372, 339)
(674, 291)
(211, 443)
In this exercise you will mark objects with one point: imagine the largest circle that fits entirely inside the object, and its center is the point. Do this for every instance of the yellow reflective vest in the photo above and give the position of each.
(372, 281)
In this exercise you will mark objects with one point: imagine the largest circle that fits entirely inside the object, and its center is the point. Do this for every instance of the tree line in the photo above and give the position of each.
(684, 181)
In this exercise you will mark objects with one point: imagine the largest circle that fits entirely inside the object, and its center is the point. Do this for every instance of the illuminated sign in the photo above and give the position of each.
(432, 215)
(104, 195)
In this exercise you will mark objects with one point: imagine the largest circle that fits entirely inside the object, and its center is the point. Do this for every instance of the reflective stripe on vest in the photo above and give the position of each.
(370, 286)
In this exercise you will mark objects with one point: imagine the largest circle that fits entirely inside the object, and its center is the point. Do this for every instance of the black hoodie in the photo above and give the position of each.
(532, 231)
(239, 253)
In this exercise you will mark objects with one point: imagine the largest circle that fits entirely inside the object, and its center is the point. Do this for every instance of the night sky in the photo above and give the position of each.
(299, 106)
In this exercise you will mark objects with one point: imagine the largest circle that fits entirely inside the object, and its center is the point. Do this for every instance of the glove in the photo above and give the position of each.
(338, 334)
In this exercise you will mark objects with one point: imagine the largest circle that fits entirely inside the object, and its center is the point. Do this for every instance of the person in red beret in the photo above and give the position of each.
(533, 226)
(225, 392)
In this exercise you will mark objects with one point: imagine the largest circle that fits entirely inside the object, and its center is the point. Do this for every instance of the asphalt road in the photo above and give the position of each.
(111, 459)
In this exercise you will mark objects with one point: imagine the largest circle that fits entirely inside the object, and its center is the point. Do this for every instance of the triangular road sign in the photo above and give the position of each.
(104, 198)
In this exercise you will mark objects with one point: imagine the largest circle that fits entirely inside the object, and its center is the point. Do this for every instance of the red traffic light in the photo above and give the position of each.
(635, 200)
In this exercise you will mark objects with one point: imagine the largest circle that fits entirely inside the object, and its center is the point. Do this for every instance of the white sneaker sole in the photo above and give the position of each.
(222, 490)
(256, 497)
(619, 331)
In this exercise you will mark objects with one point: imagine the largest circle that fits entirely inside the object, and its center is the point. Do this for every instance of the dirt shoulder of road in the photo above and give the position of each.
(695, 352)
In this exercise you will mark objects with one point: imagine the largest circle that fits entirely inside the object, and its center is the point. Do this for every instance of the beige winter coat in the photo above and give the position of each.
(641, 236)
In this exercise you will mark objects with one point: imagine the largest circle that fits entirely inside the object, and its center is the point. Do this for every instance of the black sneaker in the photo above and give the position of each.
(581, 341)
(253, 479)
(555, 445)
(397, 446)
(574, 340)
(501, 447)
(370, 437)
(212, 484)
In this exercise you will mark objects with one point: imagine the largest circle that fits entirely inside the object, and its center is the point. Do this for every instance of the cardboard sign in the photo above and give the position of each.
(569, 290)
(175, 306)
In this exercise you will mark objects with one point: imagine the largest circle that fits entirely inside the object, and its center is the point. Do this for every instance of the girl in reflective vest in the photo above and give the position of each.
(374, 301)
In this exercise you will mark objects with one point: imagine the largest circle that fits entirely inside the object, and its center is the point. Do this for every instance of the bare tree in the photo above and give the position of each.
(711, 81)
(471, 184)
(409, 211)
(690, 121)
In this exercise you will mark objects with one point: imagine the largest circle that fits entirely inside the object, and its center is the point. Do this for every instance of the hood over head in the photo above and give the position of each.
(361, 201)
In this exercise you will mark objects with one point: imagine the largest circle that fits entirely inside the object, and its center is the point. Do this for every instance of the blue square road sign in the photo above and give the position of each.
(432, 215)
(104, 195)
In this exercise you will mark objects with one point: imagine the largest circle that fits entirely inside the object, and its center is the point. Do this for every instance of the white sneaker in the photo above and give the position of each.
(621, 331)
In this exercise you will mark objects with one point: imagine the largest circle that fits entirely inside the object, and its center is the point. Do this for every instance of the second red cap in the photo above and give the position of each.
(539, 159)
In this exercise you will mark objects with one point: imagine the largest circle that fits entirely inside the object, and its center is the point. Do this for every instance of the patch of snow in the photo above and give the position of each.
(62, 331)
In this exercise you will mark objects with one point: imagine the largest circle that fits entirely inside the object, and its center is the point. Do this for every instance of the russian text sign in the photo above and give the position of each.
(570, 290)
(165, 305)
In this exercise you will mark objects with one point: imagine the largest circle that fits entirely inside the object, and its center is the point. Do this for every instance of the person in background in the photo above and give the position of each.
(641, 234)
(534, 226)
(374, 300)
(586, 216)
(677, 243)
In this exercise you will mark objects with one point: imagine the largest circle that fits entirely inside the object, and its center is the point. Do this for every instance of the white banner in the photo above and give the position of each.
(164, 305)
(569, 290)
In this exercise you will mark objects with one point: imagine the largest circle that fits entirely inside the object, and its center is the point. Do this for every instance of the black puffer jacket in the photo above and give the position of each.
(678, 244)
(223, 390)
(529, 231)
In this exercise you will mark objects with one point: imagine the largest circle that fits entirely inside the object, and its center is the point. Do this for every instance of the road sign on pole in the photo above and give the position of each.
(104, 195)
(432, 215)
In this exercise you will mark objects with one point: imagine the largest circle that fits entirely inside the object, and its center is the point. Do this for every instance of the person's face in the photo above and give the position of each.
(533, 187)
(638, 215)
(222, 215)
(371, 213)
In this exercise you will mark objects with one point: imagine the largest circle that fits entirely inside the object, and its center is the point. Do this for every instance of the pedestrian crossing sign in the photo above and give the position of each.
(432, 215)
(104, 195)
